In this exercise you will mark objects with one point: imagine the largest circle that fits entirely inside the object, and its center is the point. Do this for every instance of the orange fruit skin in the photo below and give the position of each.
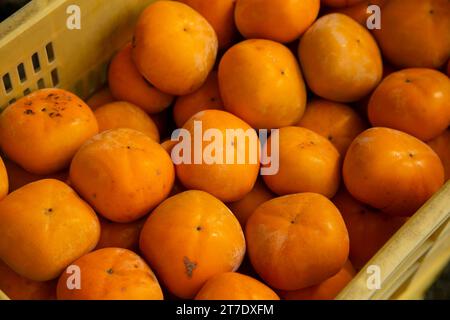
(45, 226)
(123, 174)
(415, 101)
(111, 274)
(190, 238)
(261, 82)
(426, 24)
(121, 114)
(392, 171)
(42, 131)
(205, 98)
(174, 47)
(99, 98)
(333, 51)
(235, 286)
(441, 145)
(4, 183)
(278, 20)
(308, 162)
(243, 208)
(368, 228)
(337, 122)
(127, 84)
(448, 68)
(328, 289)
(227, 181)
(297, 241)
(120, 235)
(220, 14)
(17, 287)
(358, 10)
(340, 3)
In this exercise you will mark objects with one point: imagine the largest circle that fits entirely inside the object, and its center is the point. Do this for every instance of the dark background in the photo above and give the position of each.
(8, 7)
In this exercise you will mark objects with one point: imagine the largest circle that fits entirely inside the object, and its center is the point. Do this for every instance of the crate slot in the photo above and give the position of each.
(21, 72)
(41, 84)
(26, 92)
(55, 77)
(50, 52)
(36, 62)
(7, 84)
(12, 101)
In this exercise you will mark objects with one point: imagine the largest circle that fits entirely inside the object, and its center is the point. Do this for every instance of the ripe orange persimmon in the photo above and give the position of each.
(123, 174)
(392, 171)
(243, 208)
(17, 287)
(127, 84)
(44, 227)
(205, 98)
(337, 122)
(261, 82)
(368, 228)
(227, 180)
(120, 235)
(415, 101)
(121, 114)
(297, 241)
(441, 145)
(220, 14)
(111, 274)
(4, 184)
(174, 47)
(415, 33)
(340, 3)
(308, 162)
(190, 238)
(328, 289)
(99, 98)
(42, 131)
(235, 286)
(340, 59)
(278, 20)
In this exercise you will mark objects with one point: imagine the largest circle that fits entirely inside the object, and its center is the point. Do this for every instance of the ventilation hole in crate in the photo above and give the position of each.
(41, 84)
(36, 62)
(21, 71)
(55, 77)
(7, 83)
(12, 101)
(50, 52)
(79, 88)
(26, 92)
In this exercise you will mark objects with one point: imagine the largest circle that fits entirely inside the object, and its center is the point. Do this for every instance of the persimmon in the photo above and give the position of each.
(122, 173)
(368, 228)
(340, 3)
(121, 114)
(415, 101)
(243, 208)
(333, 51)
(42, 131)
(227, 180)
(415, 33)
(99, 98)
(308, 162)
(235, 286)
(120, 235)
(337, 122)
(441, 145)
(220, 14)
(4, 184)
(127, 84)
(278, 20)
(392, 171)
(205, 98)
(111, 274)
(17, 287)
(174, 47)
(261, 82)
(44, 227)
(326, 290)
(190, 238)
(297, 241)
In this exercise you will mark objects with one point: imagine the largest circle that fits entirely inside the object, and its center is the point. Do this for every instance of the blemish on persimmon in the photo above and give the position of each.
(189, 266)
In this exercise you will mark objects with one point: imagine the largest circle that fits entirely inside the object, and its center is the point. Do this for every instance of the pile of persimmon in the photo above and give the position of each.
(359, 134)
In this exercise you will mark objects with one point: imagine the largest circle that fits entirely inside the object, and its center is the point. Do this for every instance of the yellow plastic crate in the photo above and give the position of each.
(38, 50)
